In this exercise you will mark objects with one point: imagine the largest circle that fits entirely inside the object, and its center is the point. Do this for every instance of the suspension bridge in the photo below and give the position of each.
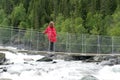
(32, 41)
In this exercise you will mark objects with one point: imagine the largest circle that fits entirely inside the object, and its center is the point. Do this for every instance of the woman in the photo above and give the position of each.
(51, 33)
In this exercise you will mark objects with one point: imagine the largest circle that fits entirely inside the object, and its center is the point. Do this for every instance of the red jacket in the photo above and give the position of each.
(51, 33)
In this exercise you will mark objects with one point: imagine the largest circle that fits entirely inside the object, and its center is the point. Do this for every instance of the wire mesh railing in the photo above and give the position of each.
(66, 42)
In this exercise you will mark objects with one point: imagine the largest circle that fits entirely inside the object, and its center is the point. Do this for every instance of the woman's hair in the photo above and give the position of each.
(51, 23)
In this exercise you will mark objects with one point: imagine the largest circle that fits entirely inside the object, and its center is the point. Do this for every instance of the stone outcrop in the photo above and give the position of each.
(107, 60)
(77, 58)
(2, 58)
(3, 69)
(45, 59)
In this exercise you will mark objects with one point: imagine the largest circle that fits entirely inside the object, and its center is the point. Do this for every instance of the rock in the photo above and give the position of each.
(118, 60)
(3, 69)
(46, 59)
(98, 58)
(2, 58)
(54, 62)
(89, 77)
(110, 62)
(77, 58)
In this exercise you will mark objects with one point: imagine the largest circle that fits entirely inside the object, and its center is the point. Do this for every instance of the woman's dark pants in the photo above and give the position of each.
(51, 46)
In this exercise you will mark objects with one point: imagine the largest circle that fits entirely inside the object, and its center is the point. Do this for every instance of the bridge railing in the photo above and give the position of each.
(66, 42)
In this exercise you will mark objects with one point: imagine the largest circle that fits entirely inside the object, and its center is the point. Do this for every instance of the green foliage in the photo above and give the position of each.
(18, 14)
(71, 25)
(3, 18)
(94, 23)
(2, 15)
(5, 22)
(23, 25)
(73, 16)
(79, 28)
(97, 17)
(59, 21)
(114, 29)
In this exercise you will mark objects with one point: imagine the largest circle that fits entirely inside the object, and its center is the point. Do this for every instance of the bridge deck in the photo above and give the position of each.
(87, 54)
(59, 53)
(76, 54)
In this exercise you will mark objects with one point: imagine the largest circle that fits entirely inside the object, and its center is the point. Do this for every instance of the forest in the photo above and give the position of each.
(97, 17)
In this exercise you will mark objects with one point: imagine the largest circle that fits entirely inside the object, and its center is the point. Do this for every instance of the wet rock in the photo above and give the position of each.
(3, 69)
(110, 62)
(118, 60)
(104, 58)
(8, 63)
(54, 62)
(89, 77)
(25, 62)
(50, 55)
(2, 58)
(98, 58)
(46, 59)
(76, 58)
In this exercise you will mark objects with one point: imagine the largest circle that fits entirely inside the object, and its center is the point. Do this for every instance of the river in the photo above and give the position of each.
(25, 67)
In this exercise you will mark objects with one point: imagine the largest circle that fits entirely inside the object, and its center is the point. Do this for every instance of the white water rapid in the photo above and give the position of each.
(25, 67)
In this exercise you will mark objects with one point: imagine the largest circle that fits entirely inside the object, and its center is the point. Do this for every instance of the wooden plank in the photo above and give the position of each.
(59, 53)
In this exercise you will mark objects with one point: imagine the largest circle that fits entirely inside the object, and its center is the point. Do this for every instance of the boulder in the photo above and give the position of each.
(89, 77)
(3, 69)
(118, 60)
(109, 62)
(77, 58)
(2, 58)
(46, 59)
